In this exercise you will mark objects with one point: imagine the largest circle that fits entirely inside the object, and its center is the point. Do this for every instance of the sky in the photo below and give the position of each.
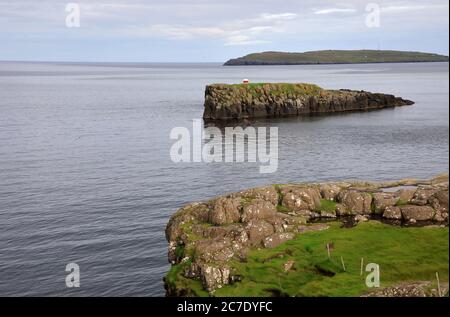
(214, 31)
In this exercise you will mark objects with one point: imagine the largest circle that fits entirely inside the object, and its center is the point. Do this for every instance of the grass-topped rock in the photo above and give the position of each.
(259, 100)
(212, 244)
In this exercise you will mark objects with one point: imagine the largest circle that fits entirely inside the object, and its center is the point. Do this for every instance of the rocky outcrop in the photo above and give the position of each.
(205, 236)
(225, 102)
(417, 289)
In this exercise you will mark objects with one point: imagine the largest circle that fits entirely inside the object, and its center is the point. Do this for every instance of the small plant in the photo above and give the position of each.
(179, 252)
(401, 202)
(327, 205)
(283, 209)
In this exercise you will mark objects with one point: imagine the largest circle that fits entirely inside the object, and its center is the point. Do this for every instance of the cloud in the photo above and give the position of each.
(261, 29)
(243, 40)
(178, 32)
(248, 31)
(28, 26)
(403, 8)
(279, 16)
(334, 10)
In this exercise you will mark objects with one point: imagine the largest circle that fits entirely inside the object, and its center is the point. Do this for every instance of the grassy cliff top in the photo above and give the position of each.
(335, 57)
(293, 88)
(403, 254)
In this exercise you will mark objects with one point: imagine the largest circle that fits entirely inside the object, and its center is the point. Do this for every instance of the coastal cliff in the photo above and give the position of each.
(246, 243)
(245, 101)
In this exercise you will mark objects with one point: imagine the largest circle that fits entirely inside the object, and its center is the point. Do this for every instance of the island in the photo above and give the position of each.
(313, 239)
(268, 100)
(335, 57)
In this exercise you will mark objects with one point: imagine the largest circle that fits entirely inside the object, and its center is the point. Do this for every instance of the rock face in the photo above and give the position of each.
(204, 237)
(226, 102)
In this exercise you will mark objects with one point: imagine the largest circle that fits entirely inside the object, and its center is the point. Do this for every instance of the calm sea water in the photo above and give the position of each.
(86, 176)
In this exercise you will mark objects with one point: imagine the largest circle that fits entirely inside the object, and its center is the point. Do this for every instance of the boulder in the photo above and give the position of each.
(214, 277)
(418, 213)
(276, 239)
(234, 232)
(356, 202)
(280, 221)
(392, 212)
(342, 211)
(258, 230)
(422, 195)
(258, 209)
(441, 216)
(298, 198)
(329, 191)
(439, 200)
(215, 250)
(405, 195)
(383, 200)
(268, 193)
(225, 211)
(360, 218)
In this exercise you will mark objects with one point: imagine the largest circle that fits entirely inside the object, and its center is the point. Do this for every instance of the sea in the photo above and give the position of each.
(86, 174)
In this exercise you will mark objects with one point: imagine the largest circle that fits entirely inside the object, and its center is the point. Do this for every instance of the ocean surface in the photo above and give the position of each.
(86, 175)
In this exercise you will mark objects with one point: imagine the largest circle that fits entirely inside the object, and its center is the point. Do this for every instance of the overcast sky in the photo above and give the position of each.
(213, 31)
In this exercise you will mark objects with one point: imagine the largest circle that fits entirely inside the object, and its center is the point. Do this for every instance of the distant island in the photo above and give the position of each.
(335, 57)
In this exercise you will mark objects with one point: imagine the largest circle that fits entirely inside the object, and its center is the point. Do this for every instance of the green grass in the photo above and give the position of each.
(179, 252)
(187, 287)
(283, 209)
(278, 89)
(404, 254)
(401, 202)
(327, 205)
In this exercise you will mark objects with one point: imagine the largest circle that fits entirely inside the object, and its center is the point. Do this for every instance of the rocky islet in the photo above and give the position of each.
(268, 100)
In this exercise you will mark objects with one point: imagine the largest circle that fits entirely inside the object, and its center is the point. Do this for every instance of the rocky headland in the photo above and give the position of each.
(206, 238)
(266, 100)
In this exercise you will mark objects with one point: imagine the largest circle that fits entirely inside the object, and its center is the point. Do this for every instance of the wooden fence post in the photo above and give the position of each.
(343, 264)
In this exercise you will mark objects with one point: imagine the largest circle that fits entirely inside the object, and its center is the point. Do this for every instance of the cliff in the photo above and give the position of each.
(335, 57)
(220, 245)
(223, 102)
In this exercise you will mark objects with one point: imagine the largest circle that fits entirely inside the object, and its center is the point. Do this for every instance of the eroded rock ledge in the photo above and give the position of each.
(227, 102)
(205, 236)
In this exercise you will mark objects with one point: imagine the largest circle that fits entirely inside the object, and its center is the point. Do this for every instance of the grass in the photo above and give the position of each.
(279, 89)
(186, 286)
(179, 252)
(401, 202)
(404, 254)
(327, 206)
(283, 209)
